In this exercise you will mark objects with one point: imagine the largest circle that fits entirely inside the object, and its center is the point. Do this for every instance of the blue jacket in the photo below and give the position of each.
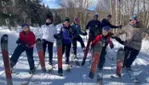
(66, 34)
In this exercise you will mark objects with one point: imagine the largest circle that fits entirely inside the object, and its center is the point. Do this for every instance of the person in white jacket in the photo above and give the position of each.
(48, 30)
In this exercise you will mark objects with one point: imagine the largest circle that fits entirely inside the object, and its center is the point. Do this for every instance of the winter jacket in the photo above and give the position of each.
(66, 33)
(48, 32)
(94, 26)
(100, 38)
(105, 22)
(76, 30)
(27, 38)
(133, 36)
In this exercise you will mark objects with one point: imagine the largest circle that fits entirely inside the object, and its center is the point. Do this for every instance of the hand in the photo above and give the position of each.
(111, 45)
(120, 26)
(57, 36)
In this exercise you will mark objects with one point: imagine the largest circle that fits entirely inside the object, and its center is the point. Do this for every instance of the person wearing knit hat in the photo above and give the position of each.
(76, 28)
(26, 43)
(95, 28)
(48, 31)
(106, 22)
(105, 39)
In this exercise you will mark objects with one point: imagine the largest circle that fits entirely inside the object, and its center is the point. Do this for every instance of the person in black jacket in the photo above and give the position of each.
(106, 22)
(95, 28)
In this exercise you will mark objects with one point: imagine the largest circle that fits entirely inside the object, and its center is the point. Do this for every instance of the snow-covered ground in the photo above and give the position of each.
(78, 75)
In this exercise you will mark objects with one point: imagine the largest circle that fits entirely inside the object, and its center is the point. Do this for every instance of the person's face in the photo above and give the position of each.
(105, 33)
(76, 20)
(95, 17)
(66, 23)
(25, 28)
(48, 21)
(109, 18)
(133, 21)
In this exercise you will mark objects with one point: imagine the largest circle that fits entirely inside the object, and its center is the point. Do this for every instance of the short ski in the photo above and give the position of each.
(59, 56)
(86, 52)
(4, 48)
(96, 54)
(40, 53)
(119, 61)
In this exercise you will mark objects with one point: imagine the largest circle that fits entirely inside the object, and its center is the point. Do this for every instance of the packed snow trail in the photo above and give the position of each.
(78, 75)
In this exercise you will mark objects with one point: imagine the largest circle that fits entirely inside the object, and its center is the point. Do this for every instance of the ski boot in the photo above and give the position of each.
(60, 72)
(32, 71)
(49, 68)
(91, 75)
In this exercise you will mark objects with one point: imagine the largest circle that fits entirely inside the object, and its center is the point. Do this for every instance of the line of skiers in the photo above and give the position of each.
(70, 34)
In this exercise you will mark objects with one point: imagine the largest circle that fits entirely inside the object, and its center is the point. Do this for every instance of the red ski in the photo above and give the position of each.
(4, 48)
(59, 54)
(96, 54)
(86, 52)
(119, 61)
(40, 53)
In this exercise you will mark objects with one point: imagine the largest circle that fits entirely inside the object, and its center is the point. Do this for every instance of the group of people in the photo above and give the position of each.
(70, 34)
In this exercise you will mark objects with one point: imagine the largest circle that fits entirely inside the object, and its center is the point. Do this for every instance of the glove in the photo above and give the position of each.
(111, 45)
(57, 36)
(85, 33)
(120, 26)
(18, 41)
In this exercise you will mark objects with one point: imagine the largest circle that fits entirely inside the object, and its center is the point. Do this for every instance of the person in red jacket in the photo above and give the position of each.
(105, 38)
(26, 43)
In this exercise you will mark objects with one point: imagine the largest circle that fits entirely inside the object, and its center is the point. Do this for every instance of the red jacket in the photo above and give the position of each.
(98, 37)
(28, 38)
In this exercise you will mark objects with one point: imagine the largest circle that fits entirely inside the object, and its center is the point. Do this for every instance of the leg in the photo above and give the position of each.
(126, 50)
(15, 56)
(132, 57)
(101, 60)
(81, 42)
(44, 43)
(68, 46)
(74, 46)
(50, 50)
(63, 48)
(29, 53)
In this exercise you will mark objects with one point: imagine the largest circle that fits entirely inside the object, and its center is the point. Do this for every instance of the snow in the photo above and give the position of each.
(78, 75)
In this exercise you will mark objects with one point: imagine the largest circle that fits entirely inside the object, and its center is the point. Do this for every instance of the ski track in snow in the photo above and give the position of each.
(78, 75)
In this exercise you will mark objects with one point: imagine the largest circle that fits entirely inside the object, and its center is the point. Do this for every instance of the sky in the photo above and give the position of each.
(55, 4)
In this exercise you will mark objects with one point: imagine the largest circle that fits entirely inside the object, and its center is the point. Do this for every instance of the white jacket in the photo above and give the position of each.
(48, 32)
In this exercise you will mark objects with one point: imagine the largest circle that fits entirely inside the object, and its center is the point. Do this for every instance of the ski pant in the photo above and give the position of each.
(75, 44)
(102, 59)
(66, 49)
(18, 51)
(130, 56)
(50, 49)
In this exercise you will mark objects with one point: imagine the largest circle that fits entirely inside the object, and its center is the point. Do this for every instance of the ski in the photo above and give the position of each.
(59, 56)
(99, 78)
(96, 54)
(4, 48)
(119, 61)
(40, 53)
(86, 53)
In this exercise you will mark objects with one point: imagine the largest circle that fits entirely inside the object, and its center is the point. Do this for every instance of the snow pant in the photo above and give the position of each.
(75, 44)
(130, 56)
(50, 49)
(102, 59)
(66, 49)
(18, 51)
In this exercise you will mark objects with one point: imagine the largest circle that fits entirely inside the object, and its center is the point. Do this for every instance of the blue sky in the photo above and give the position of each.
(55, 4)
